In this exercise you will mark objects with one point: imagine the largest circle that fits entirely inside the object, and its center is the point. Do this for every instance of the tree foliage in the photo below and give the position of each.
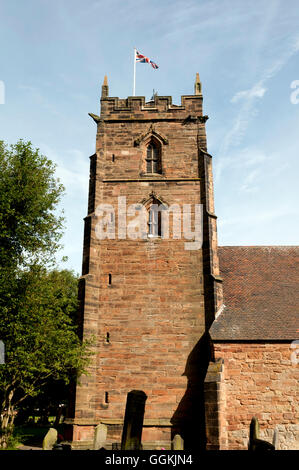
(29, 194)
(37, 302)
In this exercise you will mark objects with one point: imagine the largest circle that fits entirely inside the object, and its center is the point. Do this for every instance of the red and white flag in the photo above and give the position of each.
(143, 59)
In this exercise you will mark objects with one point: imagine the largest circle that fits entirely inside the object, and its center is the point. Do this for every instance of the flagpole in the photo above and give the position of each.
(134, 76)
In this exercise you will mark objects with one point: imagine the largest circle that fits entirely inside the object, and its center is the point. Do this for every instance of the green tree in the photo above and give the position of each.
(37, 302)
(29, 193)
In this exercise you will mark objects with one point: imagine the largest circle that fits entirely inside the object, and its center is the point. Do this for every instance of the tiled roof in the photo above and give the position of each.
(261, 293)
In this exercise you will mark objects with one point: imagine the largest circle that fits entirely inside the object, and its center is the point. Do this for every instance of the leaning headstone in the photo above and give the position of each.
(50, 439)
(100, 435)
(178, 442)
(133, 423)
(256, 444)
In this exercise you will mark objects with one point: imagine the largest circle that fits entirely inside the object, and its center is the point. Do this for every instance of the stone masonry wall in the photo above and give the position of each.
(259, 380)
(144, 300)
(214, 395)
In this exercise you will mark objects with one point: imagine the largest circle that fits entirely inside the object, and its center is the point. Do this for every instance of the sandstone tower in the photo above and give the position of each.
(149, 302)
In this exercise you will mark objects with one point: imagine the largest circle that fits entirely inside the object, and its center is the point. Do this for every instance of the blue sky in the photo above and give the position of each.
(54, 55)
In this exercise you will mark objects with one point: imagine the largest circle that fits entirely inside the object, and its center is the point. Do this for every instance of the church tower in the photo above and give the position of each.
(148, 295)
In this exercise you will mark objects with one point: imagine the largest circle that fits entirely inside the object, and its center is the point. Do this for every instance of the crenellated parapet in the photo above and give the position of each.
(160, 107)
(135, 107)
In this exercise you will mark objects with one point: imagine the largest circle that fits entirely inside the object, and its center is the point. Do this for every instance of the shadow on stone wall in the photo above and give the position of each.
(189, 418)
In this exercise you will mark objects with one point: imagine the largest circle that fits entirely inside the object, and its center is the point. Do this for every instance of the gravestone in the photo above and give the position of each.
(133, 422)
(100, 435)
(178, 442)
(256, 444)
(50, 439)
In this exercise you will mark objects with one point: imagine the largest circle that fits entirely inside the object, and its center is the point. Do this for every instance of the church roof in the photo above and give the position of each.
(261, 294)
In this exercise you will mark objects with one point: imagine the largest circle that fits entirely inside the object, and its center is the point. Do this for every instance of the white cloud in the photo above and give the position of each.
(242, 159)
(257, 91)
(245, 219)
(40, 99)
(250, 169)
(249, 110)
(72, 169)
(296, 44)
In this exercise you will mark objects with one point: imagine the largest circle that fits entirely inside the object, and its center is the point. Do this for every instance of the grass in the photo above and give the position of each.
(29, 435)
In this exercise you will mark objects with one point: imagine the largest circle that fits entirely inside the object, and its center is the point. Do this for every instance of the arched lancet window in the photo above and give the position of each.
(153, 159)
(155, 219)
(154, 223)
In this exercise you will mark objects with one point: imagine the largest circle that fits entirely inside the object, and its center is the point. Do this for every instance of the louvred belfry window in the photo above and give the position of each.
(152, 159)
